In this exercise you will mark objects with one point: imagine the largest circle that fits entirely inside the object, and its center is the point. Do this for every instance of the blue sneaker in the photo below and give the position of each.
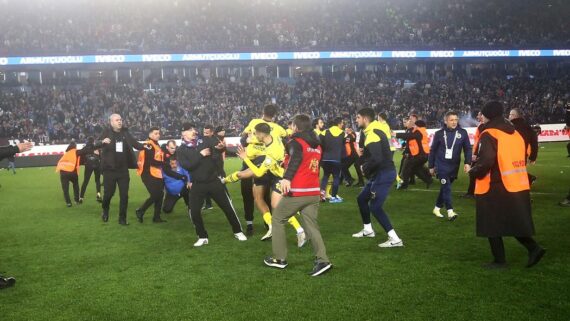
(336, 199)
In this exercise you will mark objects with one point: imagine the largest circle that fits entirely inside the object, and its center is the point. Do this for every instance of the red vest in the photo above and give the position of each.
(306, 180)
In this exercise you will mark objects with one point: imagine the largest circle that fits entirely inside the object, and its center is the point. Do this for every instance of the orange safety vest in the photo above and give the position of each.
(158, 156)
(413, 144)
(69, 162)
(512, 163)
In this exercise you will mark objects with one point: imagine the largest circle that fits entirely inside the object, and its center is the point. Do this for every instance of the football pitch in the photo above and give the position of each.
(69, 265)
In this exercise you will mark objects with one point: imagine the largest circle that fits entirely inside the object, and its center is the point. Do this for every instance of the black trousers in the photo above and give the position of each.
(498, 248)
(345, 172)
(171, 200)
(112, 179)
(402, 166)
(415, 165)
(247, 196)
(155, 188)
(66, 178)
(87, 177)
(220, 195)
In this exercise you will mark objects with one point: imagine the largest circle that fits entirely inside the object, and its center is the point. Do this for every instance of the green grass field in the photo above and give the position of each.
(71, 266)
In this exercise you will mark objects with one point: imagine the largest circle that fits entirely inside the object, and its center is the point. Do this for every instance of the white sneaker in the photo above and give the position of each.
(437, 213)
(240, 236)
(451, 215)
(267, 235)
(201, 242)
(392, 243)
(301, 239)
(364, 233)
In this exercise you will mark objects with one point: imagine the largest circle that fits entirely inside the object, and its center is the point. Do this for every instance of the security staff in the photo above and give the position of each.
(417, 143)
(300, 188)
(195, 156)
(332, 143)
(378, 167)
(502, 190)
(68, 169)
(444, 160)
(117, 156)
(210, 139)
(529, 136)
(177, 183)
(150, 163)
(92, 161)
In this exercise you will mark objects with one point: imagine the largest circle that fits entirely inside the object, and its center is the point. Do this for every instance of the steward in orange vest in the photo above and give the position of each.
(68, 169)
(417, 151)
(150, 163)
(471, 188)
(502, 188)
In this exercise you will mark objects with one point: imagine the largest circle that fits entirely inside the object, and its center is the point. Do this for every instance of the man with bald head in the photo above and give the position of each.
(117, 157)
(529, 136)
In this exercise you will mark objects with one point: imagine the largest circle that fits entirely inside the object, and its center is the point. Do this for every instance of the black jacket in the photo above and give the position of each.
(90, 159)
(108, 150)
(499, 212)
(295, 151)
(202, 169)
(529, 135)
(8, 151)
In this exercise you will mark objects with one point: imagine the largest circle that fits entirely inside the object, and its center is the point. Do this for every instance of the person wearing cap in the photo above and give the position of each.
(502, 190)
(445, 158)
(195, 156)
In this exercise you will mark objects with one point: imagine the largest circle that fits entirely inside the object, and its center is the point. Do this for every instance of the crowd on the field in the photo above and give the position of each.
(46, 114)
(80, 26)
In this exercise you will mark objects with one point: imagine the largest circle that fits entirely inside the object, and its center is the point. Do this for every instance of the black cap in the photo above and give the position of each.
(187, 126)
(493, 109)
(219, 129)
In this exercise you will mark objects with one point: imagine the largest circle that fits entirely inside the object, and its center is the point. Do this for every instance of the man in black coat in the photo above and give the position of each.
(5, 152)
(117, 157)
(194, 155)
(500, 212)
(529, 136)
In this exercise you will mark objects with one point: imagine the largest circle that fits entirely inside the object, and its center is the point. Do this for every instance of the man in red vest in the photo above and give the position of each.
(301, 193)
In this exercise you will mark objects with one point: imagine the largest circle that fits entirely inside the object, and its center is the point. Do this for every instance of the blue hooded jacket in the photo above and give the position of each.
(175, 185)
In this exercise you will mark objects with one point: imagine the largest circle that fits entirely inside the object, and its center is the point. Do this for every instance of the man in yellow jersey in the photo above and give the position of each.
(268, 169)
(385, 127)
(255, 149)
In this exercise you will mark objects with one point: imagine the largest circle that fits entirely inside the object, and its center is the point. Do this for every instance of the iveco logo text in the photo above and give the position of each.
(529, 53)
(306, 55)
(109, 58)
(264, 55)
(404, 54)
(562, 52)
(153, 58)
(441, 54)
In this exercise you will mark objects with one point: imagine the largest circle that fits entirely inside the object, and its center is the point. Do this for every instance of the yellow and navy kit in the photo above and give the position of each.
(256, 148)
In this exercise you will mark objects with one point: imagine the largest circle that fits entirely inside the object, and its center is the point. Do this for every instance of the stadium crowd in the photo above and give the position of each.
(80, 26)
(49, 114)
